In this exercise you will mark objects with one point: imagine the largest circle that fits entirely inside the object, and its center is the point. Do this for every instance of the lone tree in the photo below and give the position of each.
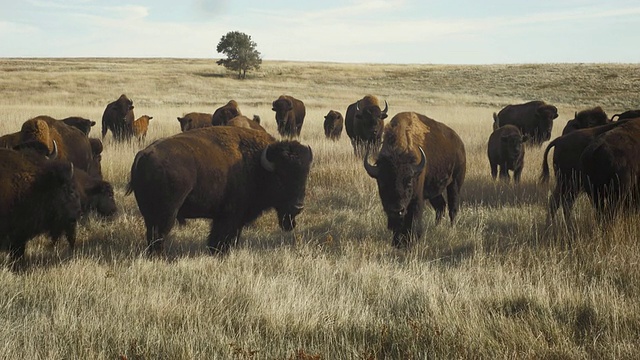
(241, 53)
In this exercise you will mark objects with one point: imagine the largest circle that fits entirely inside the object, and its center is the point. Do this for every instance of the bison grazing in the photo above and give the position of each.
(586, 119)
(506, 151)
(290, 114)
(566, 165)
(225, 113)
(44, 201)
(611, 171)
(118, 117)
(534, 119)
(81, 124)
(224, 173)
(194, 120)
(364, 122)
(140, 127)
(333, 123)
(420, 159)
(96, 195)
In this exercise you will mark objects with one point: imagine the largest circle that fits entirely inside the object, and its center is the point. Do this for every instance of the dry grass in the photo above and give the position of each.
(498, 284)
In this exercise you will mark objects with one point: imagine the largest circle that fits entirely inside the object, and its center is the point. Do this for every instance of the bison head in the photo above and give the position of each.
(100, 198)
(512, 146)
(370, 120)
(225, 113)
(590, 118)
(288, 162)
(397, 179)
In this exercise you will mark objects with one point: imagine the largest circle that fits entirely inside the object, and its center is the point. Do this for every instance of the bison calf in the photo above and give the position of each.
(141, 126)
(506, 152)
(194, 120)
(333, 123)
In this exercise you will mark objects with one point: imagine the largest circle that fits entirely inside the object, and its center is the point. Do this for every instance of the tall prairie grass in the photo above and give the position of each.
(497, 284)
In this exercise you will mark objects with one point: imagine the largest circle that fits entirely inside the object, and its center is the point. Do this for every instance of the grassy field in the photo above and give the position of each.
(497, 285)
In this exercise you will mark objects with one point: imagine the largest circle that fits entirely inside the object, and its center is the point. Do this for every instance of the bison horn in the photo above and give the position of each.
(372, 170)
(54, 153)
(266, 164)
(71, 174)
(386, 107)
(358, 105)
(423, 161)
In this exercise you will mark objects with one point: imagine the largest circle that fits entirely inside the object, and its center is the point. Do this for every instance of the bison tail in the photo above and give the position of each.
(544, 177)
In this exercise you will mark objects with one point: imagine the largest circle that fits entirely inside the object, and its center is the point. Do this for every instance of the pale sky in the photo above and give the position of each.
(358, 31)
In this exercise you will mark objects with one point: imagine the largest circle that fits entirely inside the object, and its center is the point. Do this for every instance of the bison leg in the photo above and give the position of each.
(16, 251)
(453, 198)
(504, 172)
(516, 174)
(222, 235)
(494, 170)
(439, 205)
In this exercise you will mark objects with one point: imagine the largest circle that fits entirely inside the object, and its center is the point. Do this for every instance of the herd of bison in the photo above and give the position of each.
(225, 167)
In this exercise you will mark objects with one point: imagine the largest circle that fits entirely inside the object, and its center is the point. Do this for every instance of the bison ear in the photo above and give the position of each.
(150, 117)
(383, 116)
(525, 138)
(93, 123)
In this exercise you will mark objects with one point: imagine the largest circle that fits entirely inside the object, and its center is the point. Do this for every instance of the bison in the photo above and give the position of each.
(96, 195)
(586, 119)
(364, 123)
(534, 119)
(140, 127)
(118, 117)
(290, 114)
(80, 123)
(420, 159)
(45, 200)
(224, 173)
(567, 169)
(506, 151)
(245, 122)
(225, 113)
(333, 123)
(194, 120)
(73, 144)
(611, 171)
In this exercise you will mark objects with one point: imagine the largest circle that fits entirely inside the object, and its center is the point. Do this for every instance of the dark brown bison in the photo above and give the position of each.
(290, 114)
(567, 169)
(629, 114)
(244, 122)
(586, 119)
(224, 173)
(118, 117)
(256, 118)
(420, 159)
(225, 113)
(364, 123)
(611, 170)
(534, 119)
(44, 201)
(333, 123)
(506, 151)
(95, 168)
(194, 120)
(96, 195)
(73, 144)
(8, 141)
(140, 127)
(80, 123)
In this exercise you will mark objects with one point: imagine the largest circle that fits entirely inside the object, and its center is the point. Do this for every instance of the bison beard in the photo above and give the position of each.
(230, 175)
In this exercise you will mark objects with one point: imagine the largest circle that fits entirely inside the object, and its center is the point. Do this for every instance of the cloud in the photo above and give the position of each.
(211, 7)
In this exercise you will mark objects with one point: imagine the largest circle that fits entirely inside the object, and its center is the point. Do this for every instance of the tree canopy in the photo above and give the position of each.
(240, 51)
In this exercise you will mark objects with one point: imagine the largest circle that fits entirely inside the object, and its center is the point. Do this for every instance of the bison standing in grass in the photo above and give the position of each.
(290, 113)
(225, 113)
(140, 127)
(45, 200)
(506, 152)
(227, 174)
(118, 118)
(611, 170)
(364, 123)
(333, 123)
(420, 159)
(534, 119)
